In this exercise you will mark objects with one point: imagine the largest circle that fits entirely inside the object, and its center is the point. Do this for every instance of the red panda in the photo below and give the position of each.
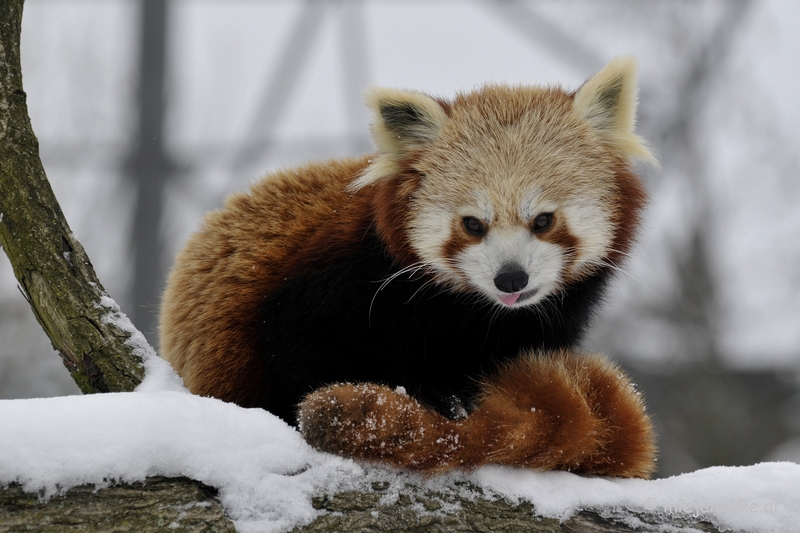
(432, 293)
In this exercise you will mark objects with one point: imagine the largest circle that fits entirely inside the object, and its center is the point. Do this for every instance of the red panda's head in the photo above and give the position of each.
(509, 192)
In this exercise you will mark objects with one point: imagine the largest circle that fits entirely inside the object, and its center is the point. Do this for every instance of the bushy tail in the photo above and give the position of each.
(552, 411)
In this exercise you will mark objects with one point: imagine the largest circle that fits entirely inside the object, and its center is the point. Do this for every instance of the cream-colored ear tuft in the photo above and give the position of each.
(402, 121)
(608, 102)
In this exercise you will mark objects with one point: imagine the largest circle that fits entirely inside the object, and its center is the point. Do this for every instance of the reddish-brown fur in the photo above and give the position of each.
(562, 411)
(391, 214)
(219, 363)
(631, 199)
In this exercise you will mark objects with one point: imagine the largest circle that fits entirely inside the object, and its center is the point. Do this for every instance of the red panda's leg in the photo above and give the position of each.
(561, 411)
(375, 423)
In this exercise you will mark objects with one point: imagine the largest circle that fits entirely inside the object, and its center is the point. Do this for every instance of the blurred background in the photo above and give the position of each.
(149, 112)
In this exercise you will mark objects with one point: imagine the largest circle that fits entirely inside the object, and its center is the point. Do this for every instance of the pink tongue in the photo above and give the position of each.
(509, 299)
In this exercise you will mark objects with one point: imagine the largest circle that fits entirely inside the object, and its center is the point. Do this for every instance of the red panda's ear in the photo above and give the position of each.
(607, 101)
(402, 121)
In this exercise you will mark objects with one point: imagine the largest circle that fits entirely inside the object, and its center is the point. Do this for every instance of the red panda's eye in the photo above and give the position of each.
(542, 222)
(474, 226)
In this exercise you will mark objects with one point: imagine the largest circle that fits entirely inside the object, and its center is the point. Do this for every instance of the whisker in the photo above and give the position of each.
(422, 287)
(414, 268)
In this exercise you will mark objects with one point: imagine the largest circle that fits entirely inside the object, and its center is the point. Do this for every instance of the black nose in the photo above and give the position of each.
(512, 279)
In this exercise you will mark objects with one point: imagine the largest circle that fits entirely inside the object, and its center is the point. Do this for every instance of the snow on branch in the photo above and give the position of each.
(270, 480)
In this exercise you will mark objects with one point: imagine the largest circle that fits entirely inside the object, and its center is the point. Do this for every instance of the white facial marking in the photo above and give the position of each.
(532, 204)
(592, 223)
(483, 205)
(541, 261)
(431, 228)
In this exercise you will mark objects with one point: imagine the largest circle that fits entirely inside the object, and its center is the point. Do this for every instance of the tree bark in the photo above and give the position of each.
(161, 504)
(419, 510)
(53, 270)
(181, 504)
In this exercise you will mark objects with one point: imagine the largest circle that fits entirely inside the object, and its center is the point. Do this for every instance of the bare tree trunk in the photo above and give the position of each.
(54, 273)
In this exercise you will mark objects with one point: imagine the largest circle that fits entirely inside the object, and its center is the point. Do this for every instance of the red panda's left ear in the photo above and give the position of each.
(402, 121)
(607, 101)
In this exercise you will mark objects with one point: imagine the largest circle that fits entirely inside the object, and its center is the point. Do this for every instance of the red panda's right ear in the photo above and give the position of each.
(607, 101)
(402, 121)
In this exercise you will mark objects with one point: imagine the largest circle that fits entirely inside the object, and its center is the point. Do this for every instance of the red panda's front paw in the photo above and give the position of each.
(564, 411)
(375, 423)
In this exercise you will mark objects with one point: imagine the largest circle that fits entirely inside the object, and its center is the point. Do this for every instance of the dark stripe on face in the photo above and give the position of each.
(459, 239)
(560, 235)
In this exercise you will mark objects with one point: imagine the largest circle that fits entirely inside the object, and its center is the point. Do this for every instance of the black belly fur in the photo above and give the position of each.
(338, 325)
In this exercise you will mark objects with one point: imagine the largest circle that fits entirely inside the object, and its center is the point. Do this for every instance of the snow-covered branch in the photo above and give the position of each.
(186, 505)
(270, 480)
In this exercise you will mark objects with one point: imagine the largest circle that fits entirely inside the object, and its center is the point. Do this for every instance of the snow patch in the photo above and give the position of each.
(267, 475)
(159, 375)
(760, 498)
(118, 319)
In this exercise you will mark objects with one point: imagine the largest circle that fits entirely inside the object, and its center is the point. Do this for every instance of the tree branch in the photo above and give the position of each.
(160, 504)
(184, 505)
(53, 270)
